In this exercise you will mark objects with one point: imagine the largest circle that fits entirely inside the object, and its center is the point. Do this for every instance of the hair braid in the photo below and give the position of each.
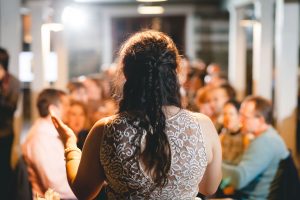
(149, 61)
(155, 152)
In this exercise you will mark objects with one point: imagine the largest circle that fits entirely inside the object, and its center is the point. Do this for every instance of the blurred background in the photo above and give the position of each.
(255, 43)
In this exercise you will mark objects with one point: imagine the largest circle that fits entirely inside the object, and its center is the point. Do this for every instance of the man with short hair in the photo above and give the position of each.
(44, 151)
(9, 92)
(254, 174)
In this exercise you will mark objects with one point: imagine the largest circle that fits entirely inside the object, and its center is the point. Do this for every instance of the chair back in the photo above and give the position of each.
(286, 184)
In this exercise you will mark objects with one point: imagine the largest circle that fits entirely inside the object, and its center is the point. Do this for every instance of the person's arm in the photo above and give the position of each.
(254, 161)
(85, 173)
(213, 173)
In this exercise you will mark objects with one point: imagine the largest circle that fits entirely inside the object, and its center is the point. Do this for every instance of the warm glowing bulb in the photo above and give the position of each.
(150, 10)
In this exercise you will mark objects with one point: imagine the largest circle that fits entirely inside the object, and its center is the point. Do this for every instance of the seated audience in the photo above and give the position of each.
(152, 148)
(233, 142)
(44, 151)
(253, 175)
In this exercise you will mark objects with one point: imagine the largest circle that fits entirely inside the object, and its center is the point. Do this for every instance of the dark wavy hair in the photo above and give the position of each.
(149, 60)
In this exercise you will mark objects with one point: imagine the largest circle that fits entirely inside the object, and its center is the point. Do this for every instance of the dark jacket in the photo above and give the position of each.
(9, 93)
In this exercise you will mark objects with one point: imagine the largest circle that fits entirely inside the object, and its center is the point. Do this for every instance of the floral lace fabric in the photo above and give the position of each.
(126, 178)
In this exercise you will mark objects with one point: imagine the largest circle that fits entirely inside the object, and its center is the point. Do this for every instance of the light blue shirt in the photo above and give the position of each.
(259, 164)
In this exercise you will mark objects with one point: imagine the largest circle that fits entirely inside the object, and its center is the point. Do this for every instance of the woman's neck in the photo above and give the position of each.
(170, 111)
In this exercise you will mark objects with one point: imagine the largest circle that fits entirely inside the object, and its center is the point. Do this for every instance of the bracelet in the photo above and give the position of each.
(72, 148)
(72, 158)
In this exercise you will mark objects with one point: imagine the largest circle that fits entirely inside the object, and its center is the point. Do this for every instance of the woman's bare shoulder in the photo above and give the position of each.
(208, 131)
(201, 117)
(106, 120)
(98, 127)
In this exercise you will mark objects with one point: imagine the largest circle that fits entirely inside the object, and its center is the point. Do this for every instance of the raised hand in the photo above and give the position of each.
(66, 133)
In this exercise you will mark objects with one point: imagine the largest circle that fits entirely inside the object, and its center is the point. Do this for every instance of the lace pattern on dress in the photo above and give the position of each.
(126, 179)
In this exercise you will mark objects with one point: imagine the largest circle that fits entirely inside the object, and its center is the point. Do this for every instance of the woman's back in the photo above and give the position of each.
(124, 136)
(135, 146)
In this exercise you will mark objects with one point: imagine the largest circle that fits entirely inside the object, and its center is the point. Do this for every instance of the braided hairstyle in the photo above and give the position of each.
(149, 60)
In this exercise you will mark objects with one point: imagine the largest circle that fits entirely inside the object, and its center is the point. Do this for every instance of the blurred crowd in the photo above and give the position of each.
(86, 99)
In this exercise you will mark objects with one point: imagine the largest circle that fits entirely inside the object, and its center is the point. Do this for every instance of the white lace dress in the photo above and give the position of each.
(126, 179)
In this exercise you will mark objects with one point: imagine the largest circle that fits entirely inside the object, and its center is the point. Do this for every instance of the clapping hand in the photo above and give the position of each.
(66, 133)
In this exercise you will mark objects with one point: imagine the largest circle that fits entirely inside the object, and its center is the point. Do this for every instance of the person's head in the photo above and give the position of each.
(231, 119)
(215, 79)
(218, 96)
(55, 100)
(77, 91)
(149, 60)
(199, 64)
(194, 80)
(94, 91)
(201, 101)
(77, 117)
(213, 68)
(255, 114)
(4, 61)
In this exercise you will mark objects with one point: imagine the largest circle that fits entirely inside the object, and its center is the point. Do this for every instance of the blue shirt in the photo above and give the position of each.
(257, 169)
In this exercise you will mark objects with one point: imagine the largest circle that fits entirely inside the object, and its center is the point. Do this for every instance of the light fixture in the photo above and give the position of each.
(150, 10)
(73, 16)
(150, 0)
